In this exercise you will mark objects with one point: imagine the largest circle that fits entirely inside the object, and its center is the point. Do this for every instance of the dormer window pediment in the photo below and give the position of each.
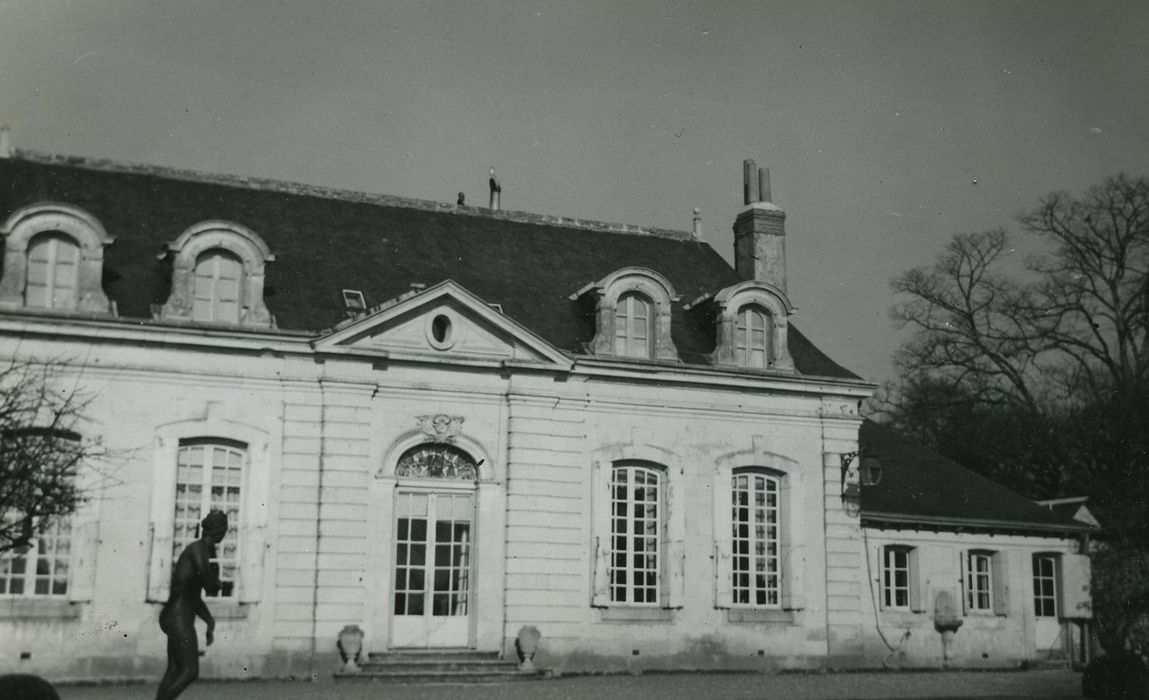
(751, 321)
(54, 260)
(218, 270)
(632, 314)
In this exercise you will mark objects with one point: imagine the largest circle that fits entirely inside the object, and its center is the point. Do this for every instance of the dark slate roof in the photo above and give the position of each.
(920, 487)
(328, 240)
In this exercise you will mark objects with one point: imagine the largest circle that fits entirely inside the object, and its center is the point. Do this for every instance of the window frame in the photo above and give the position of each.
(19, 232)
(769, 479)
(236, 520)
(633, 469)
(672, 560)
(30, 560)
(978, 581)
(233, 238)
(888, 601)
(251, 532)
(1054, 583)
(627, 323)
(606, 295)
(727, 306)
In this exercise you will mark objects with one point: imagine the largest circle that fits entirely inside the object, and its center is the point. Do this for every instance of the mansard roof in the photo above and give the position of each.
(328, 240)
(922, 489)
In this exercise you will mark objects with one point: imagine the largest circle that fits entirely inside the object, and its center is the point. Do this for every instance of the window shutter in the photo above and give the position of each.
(1000, 575)
(85, 540)
(600, 506)
(879, 554)
(963, 582)
(159, 563)
(1075, 601)
(673, 590)
(723, 593)
(793, 578)
(252, 549)
(917, 604)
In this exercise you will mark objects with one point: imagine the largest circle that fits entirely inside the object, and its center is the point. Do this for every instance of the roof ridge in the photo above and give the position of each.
(336, 193)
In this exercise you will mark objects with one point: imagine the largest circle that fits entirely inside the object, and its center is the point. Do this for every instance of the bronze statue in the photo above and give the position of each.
(191, 573)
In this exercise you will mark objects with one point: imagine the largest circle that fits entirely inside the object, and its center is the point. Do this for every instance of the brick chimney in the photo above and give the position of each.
(760, 231)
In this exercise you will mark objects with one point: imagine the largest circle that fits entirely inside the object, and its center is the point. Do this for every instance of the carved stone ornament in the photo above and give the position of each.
(440, 427)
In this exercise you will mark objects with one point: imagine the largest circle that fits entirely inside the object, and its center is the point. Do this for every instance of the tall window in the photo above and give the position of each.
(218, 276)
(43, 569)
(635, 531)
(53, 270)
(1045, 585)
(897, 577)
(634, 326)
(209, 477)
(979, 581)
(755, 517)
(752, 335)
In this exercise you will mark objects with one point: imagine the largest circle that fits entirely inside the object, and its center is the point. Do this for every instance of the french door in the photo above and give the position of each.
(433, 569)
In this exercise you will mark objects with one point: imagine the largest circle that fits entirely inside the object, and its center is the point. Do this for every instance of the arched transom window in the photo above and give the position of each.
(218, 278)
(437, 461)
(634, 325)
(53, 271)
(753, 336)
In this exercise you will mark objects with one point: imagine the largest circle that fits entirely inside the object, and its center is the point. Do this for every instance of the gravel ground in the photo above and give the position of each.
(1051, 685)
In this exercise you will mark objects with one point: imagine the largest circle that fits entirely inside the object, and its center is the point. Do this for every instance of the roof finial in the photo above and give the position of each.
(697, 222)
(5, 141)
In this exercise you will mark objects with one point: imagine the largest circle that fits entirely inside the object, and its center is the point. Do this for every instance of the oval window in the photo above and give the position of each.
(441, 329)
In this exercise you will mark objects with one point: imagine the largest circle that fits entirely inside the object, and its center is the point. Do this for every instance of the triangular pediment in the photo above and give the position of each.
(444, 322)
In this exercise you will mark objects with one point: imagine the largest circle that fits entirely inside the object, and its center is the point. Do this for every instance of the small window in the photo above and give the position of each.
(754, 331)
(218, 280)
(1045, 572)
(896, 578)
(634, 326)
(979, 581)
(636, 534)
(53, 272)
(209, 476)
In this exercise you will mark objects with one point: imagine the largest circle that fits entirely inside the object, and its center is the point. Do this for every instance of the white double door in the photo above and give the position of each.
(434, 571)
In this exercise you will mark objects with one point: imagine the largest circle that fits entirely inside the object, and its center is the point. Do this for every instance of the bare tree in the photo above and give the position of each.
(40, 451)
(1039, 377)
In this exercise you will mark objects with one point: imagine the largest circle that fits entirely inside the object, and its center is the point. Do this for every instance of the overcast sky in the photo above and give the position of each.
(887, 126)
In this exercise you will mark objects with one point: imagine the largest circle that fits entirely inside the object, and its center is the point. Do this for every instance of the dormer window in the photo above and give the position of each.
(751, 326)
(634, 326)
(54, 260)
(632, 314)
(218, 275)
(752, 337)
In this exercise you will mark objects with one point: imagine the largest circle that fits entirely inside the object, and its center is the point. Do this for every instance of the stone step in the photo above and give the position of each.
(436, 655)
(504, 675)
(435, 665)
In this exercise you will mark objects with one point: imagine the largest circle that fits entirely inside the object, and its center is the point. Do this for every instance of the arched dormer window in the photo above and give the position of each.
(218, 276)
(751, 332)
(54, 260)
(632, 308)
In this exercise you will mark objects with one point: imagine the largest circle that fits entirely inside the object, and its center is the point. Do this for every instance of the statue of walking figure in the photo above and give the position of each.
(191, 573)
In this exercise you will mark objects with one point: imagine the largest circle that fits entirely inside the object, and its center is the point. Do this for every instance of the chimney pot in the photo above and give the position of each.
(749, 181)
(496, 192)
(462, 201)
(764, 194)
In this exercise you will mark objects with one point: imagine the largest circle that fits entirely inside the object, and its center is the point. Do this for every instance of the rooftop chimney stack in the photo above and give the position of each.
(760, 230)
(496, 192)
(5, 142)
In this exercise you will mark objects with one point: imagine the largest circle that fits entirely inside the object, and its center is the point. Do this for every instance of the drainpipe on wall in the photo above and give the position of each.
(318, 529)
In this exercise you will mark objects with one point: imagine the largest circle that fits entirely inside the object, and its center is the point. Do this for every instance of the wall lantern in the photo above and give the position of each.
(866, 471)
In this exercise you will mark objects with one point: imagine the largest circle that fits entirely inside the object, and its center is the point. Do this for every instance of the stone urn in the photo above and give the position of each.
(350, 645)
(527, 643)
